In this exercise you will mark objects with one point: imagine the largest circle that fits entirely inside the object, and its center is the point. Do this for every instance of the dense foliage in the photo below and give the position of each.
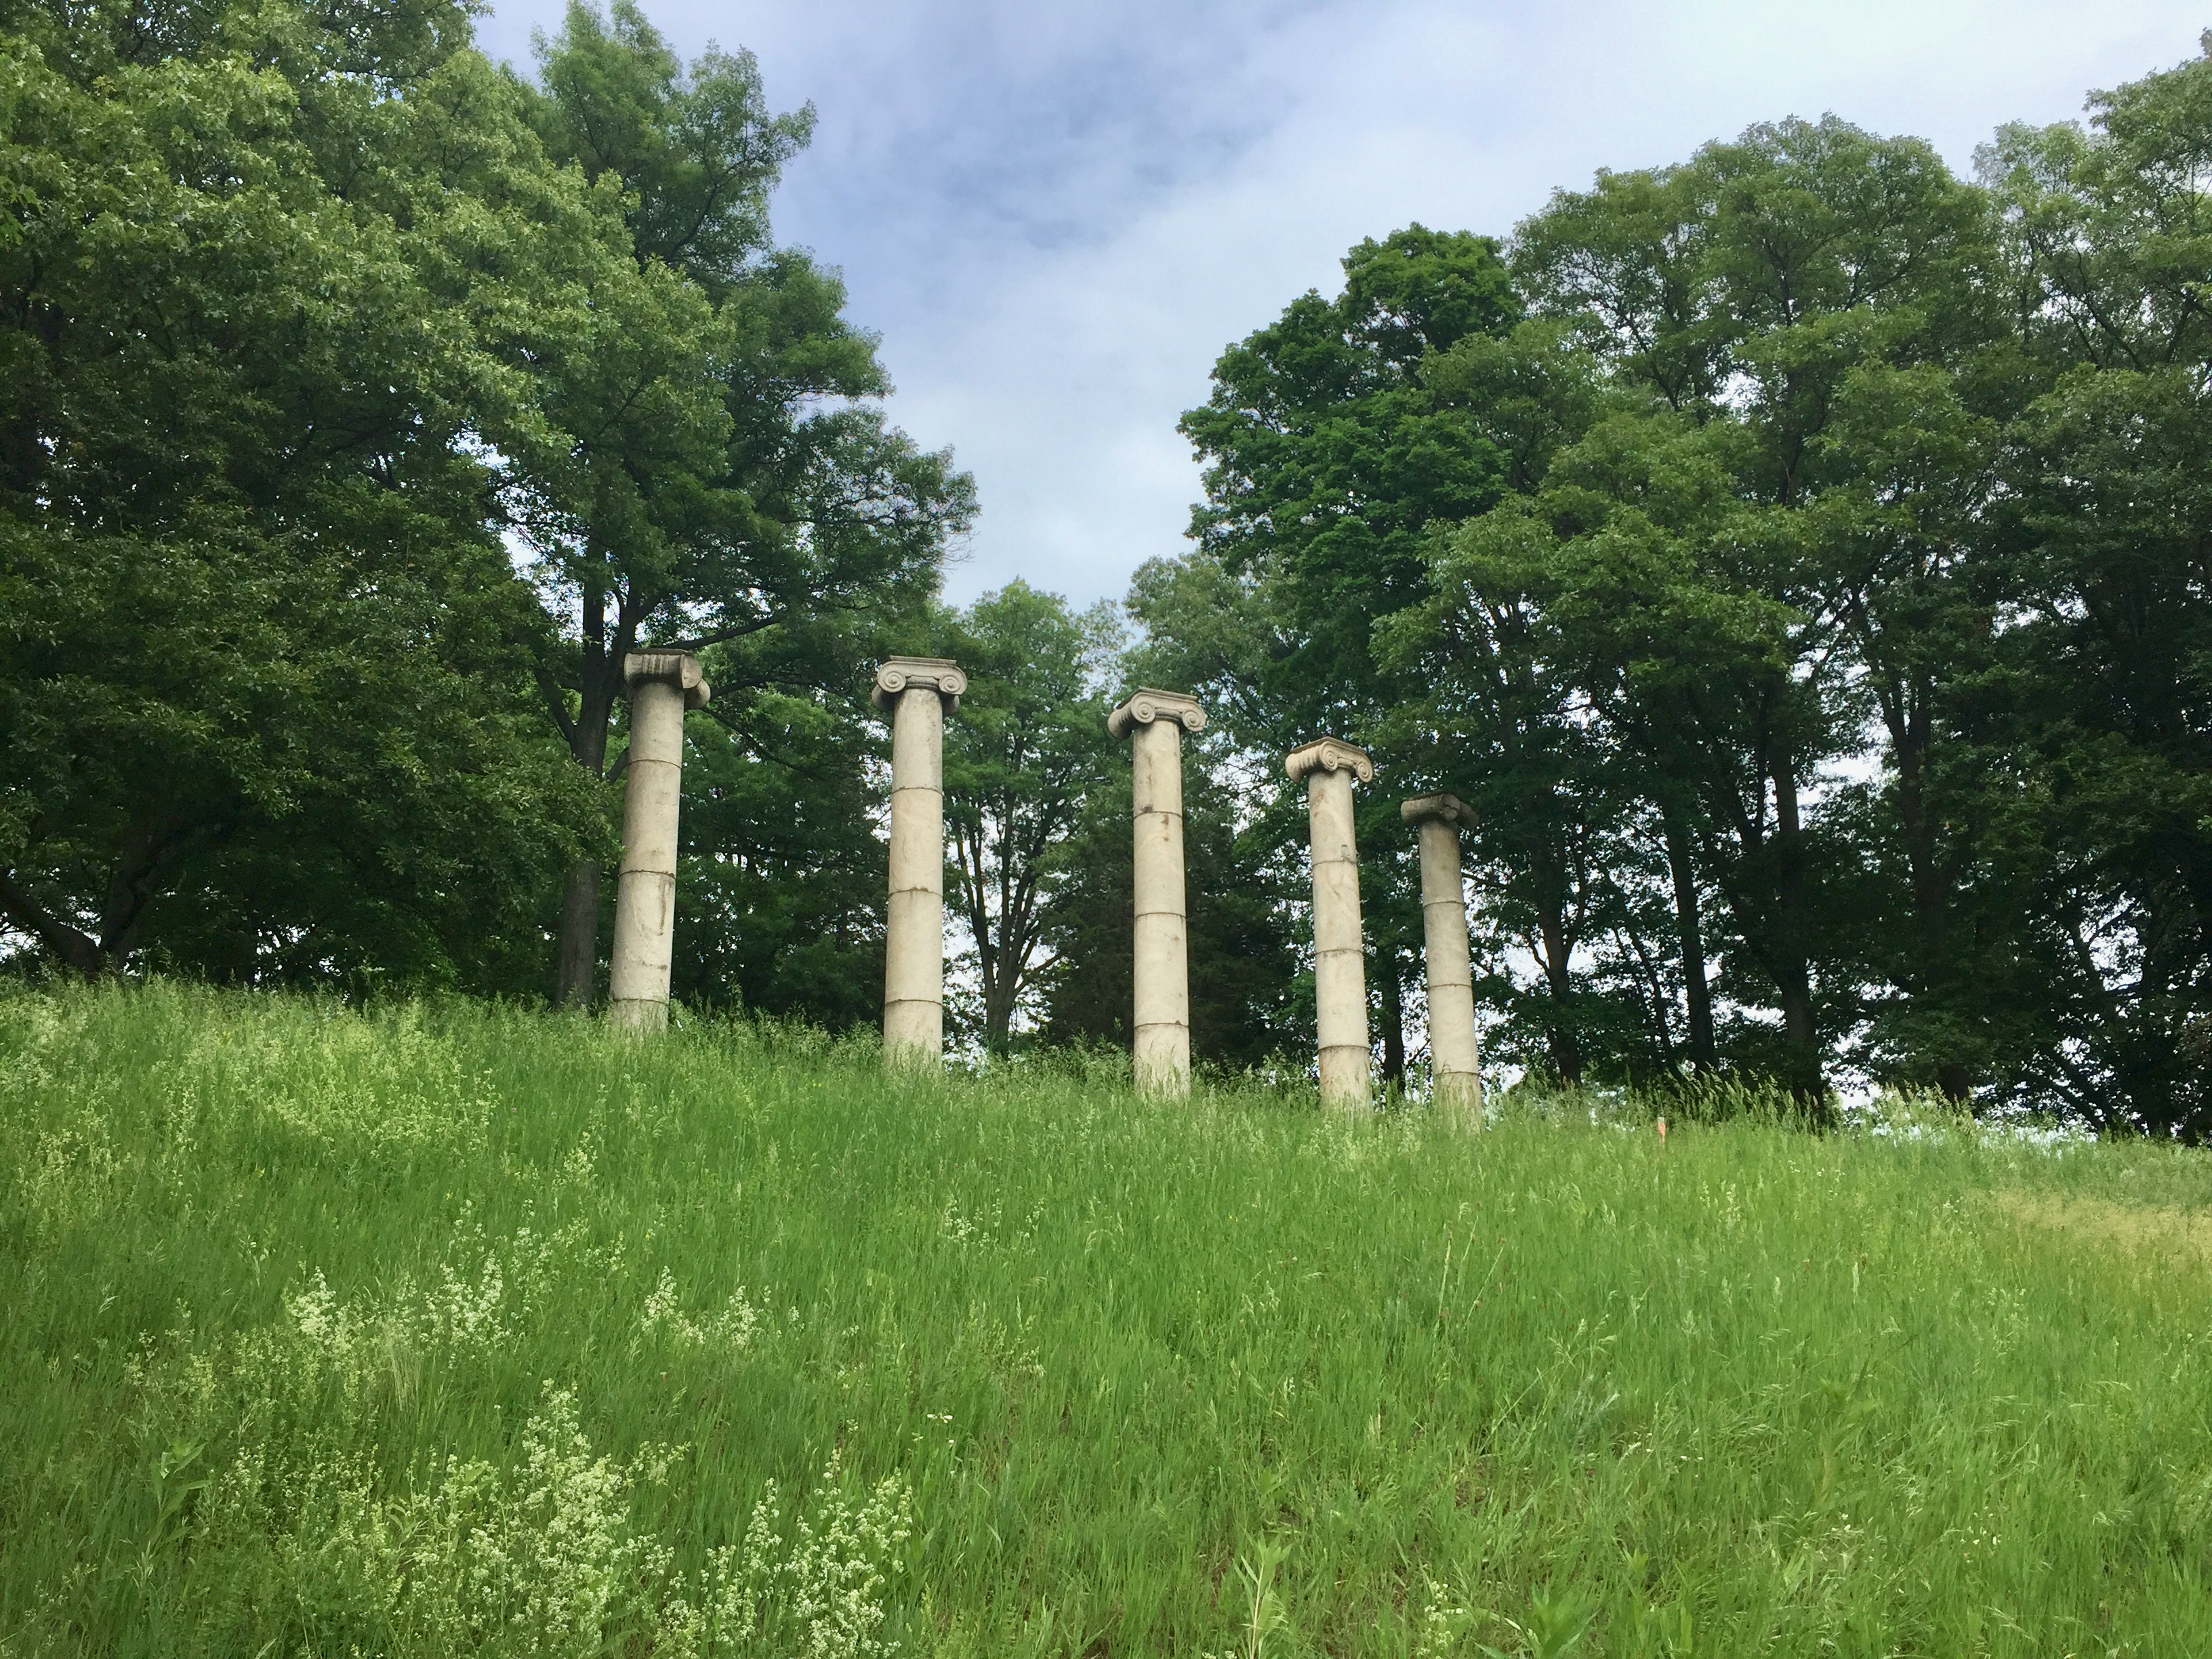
(734, 480)
(1796, 556)
(312, 321)
(266, 289)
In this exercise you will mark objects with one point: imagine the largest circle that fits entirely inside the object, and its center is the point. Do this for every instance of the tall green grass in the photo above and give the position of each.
(468, 1330)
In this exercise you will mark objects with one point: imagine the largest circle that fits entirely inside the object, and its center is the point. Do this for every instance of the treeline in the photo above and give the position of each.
(366, 401)
(1796, 556)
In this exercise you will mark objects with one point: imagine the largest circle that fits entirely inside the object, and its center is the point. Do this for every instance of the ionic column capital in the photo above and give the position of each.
(1146, 705)
(1436, 809)
(898, 674)
(677, 668)
(1329, 755)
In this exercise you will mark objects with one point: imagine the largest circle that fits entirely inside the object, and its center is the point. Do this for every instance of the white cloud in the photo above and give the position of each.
(1058, 215)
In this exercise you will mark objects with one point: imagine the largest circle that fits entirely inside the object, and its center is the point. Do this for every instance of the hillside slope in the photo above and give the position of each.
(472, 1331)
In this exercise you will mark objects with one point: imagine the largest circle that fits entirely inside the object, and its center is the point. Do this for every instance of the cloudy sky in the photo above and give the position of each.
(1057, 214)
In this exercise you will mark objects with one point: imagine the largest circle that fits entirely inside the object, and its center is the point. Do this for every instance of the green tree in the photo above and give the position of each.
(733, 473)
(2088, 728)
(1327, 458)
(1730, 551)
(1500, 723)
(265, 277)
(780, 897)
(1028, 747)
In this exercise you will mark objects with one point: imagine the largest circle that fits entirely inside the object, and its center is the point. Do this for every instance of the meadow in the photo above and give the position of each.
(455, 1330)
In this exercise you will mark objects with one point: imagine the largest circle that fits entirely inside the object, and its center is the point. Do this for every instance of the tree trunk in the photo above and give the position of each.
(1680, 863)
(999, 990)
(598, 688)
(580, 935)
(1566, 1053)
(1932, 972)
(1793, 970)
(1661, 1030)
(1394, 1023)
(151, 852)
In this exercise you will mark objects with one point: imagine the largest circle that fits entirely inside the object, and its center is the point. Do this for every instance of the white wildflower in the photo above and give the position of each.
(733, 1328)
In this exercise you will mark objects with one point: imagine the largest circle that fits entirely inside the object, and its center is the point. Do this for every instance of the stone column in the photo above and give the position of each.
(663, 685)
(1155, 721)
(919, 692)
(1453, 1055)
(1340, 954)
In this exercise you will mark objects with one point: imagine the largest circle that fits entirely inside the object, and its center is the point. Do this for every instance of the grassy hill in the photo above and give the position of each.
(465, 1331)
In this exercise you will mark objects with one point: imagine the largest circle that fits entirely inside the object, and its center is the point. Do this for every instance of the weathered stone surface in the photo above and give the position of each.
(1146, 705)
(1454, 1054)
(896, 675)
(1332, 755)
(919, 692)
(1329, 766)
(1155, 721)
(662, 685)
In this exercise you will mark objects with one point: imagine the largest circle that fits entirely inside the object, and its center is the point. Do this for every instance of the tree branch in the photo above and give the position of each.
(557, 704)
(78, 949)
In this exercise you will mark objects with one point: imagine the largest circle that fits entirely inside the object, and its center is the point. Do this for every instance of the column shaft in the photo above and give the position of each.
(645, 889)
(914, 941)
(1340, 956)
(1163, 962)
(1453, 1058)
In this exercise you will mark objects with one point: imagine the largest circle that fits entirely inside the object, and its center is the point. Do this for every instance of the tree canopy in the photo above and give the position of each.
(267, 285)
(1796, 556)
(313, 321)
